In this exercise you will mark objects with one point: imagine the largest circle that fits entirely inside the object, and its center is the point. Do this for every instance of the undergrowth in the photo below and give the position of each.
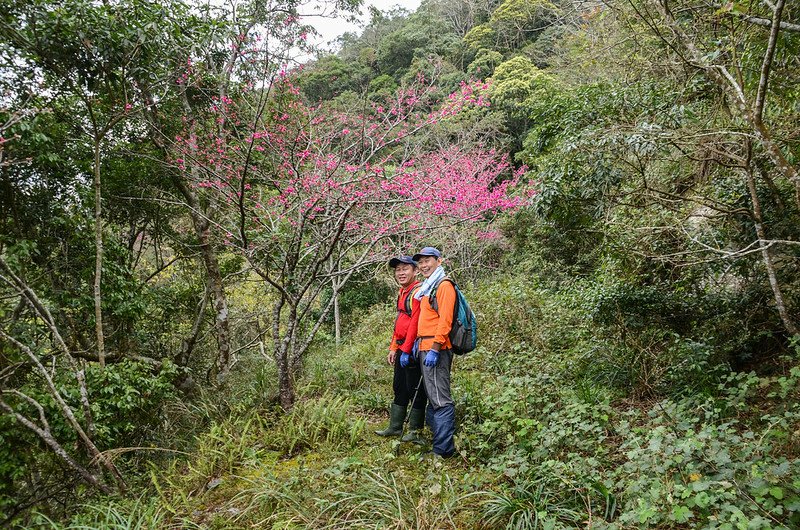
(553, 432)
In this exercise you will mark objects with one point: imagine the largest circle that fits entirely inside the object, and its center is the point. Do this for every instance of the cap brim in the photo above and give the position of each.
(394, 262)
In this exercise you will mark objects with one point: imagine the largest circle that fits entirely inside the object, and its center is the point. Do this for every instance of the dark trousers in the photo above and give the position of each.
(405, 384)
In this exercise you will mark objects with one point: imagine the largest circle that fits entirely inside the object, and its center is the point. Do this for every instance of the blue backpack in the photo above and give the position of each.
(464, 332)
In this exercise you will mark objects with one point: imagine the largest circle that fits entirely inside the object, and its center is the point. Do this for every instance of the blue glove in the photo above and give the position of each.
(432, 359)
(405, 359)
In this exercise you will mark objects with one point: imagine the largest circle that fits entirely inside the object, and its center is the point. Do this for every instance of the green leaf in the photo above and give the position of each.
(681, 514)
(776, 492)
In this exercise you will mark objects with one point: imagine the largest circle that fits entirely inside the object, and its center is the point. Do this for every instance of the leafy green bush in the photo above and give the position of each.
(126, 400)
(697, 463)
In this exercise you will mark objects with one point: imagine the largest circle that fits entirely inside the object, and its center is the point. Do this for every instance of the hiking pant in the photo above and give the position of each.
(405, 383)
(441, 413)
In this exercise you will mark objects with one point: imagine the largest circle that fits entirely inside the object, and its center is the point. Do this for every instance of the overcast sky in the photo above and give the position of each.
(332, 28)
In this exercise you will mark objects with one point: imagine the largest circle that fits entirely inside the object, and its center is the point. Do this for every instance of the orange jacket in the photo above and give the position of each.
(433, 326)
(405, 326)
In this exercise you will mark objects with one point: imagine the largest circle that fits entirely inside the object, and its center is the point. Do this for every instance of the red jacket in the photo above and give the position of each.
(405, 326)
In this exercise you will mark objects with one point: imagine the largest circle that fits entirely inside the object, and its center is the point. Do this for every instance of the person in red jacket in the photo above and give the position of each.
(407, 372)
(433, 348)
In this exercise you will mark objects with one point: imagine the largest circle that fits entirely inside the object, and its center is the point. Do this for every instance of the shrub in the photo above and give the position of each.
(694, 462)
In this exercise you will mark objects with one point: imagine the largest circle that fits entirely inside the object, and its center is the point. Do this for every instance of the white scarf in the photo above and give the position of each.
(430, 283)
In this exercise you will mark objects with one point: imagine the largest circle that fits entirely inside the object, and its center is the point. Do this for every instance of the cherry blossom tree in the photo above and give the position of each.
(313, 194)
(238, 48)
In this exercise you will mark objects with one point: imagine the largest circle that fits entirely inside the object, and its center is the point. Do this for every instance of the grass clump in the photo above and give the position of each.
(138, 514)
(328, 419)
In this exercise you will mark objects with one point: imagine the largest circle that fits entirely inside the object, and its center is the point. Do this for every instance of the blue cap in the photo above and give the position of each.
(428, 251)
(408, 260)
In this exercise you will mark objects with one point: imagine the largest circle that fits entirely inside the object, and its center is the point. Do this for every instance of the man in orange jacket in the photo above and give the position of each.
(407, 373)
(434, 349)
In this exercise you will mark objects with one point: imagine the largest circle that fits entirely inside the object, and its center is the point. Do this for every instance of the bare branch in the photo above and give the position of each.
(767, 23)
(763, 82)
(66, 410)
(43, 432)
(728, 84)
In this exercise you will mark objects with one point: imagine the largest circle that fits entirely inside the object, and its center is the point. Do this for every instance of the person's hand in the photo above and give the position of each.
(391, 357)
(432, 359)
(405, 360)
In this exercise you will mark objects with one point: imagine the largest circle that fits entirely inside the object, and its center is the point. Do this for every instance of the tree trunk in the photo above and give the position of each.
(79, 366)
(202, 228)
(98, 264)
(221, 321)
(285, 385)
(337, 322)
(788, 323)
(188, 343)
(281, 354)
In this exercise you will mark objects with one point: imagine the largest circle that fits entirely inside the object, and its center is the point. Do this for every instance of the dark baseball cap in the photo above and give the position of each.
(408, 260)
(427, 251)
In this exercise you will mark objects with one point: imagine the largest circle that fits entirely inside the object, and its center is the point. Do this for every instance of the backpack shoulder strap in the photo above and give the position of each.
(410, 300)
(432, 296)
(436, 287)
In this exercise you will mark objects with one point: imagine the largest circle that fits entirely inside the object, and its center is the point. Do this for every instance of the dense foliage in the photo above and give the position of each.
(193, 305)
